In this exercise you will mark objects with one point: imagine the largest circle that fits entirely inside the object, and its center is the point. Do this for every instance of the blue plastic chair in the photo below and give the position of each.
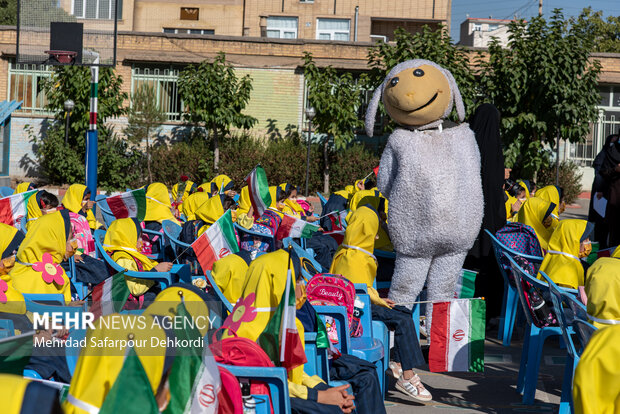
(303, 254)
(177, 273)
(6, 191)
(160, 242)
(228, 307)
(172, 231)
(81, 288)
(72, 354)
(322, 199)
(6, 328)
(534, 336)
(510, 298)
(271, 240)
(574, 309)
(277, 380)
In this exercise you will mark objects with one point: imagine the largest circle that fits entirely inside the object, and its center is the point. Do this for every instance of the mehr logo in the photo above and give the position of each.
(458, 335)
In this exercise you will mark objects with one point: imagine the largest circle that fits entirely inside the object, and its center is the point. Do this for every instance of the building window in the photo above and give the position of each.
(282, 27)
(333, 29)
(190, 31)
(189, 13)
(25, 85)
(493, 27)
(96, 9)
(477, 27)
(164, 82)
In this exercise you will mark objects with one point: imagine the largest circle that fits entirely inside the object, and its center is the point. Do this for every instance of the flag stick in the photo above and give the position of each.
(434, 301)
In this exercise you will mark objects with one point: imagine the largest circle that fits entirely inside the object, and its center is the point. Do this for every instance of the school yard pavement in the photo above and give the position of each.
(492, 391)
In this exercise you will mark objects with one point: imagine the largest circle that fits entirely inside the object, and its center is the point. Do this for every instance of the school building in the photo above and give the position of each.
(278, 99)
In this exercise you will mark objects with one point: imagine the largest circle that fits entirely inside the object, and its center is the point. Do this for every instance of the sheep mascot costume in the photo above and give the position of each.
(430, 173)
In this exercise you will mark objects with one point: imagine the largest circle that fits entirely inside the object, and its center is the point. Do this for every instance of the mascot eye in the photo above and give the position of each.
(394, 81)
(418, 72)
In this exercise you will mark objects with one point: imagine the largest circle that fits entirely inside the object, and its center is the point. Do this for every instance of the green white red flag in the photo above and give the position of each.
(218, 241)
(258, 189)
(110, 295)
(129, 204)
(295, 228)
(280, 340)
(465, 285)
(14, 208)
(457, 336)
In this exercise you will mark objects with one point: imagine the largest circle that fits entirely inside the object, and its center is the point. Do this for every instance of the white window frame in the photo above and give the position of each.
(97, 17)
(332, 32)
(493, 27)
(187, 31)
(281, 29)
(477, 27)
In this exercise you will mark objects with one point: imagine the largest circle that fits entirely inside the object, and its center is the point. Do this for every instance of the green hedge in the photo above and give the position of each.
(284, 160)
(570, 179)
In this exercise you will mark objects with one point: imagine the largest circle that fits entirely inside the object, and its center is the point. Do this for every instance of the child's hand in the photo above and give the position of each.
(337, 396)
(163, 267)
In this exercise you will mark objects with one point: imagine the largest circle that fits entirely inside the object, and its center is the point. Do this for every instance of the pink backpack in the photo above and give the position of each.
(331, 290)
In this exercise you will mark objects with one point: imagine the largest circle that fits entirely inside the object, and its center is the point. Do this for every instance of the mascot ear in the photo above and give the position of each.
(456, 95)
(371, 111)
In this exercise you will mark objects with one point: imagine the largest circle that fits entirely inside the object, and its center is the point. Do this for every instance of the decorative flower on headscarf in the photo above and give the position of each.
(3, 288)
(242, 312)
(50, 271)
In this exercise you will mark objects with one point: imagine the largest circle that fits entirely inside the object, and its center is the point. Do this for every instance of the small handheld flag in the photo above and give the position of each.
(13, 208)
(218, 241)
(258, 190)
(129, 204)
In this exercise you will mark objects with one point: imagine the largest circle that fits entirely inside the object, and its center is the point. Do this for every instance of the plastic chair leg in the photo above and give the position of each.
(415, 314)
(566, 399)
(502, 316)
(523, 364)
(533, 363)
(512, 303)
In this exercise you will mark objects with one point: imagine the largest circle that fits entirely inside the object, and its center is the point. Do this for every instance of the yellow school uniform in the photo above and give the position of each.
(229, 275)
(561, 263)
(532, 213)
(72, 201)
(602, 288)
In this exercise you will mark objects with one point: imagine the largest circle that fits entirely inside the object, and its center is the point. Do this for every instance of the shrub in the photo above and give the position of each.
(169, 162)
(354, 163)
(570, 179)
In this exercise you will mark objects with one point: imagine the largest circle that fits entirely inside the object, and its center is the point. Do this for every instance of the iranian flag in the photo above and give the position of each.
(280, 339)
(295, 228)
(258, 190)
(110, 295)
(218, 241)
(130, 204)
(457, 336)
(465, 285)
(14, 208)
(194, 377)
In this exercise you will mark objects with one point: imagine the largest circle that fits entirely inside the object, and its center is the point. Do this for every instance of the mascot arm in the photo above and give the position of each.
(387, 169)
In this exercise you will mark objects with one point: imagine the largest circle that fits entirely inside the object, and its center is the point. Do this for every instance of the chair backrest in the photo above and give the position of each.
(171, 232)
(322, 199)
(565, 316)
(503, 253)
(308, 262)
(171, 229)
(218, 292)
(6, 191)
(99, 238)
(584, 331)
(366, 319)
(6, 328)
(519, 276)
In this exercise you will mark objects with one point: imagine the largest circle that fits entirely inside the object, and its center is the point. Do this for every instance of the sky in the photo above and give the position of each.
(505, 9)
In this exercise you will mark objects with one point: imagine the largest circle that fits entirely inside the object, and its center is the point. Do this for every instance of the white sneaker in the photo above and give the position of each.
(414, 388)
(395, 370)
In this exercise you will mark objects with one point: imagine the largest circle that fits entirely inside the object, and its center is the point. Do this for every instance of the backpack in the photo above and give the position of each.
(229, 400)
(522, 239)
(242, 352)
(331, 290)
(271, 220)
(82, 234)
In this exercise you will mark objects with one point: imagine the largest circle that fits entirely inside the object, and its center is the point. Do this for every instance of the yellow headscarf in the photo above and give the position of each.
(7, 239)
(603, 291)
(354, 259)
(509, 202)
(158, 204)
(532, 213)
(244, 201)
(33, 211)
(229, 275)
(350, 189)
(551, 194)
(374, 199)
(211, 210)
(49, 234)
(344, 194)
(7, 233)
(561, 263)
(22, 187)
(196, 302)
(192, 203)
(98, 367)
(219, 182)
(188, 188)
(120, 240)
(527, 190)
(273, 192)
(596, 387)
(16, 394)
(73, 202)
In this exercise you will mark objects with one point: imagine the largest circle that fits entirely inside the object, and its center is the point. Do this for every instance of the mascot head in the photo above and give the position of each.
(416, 94)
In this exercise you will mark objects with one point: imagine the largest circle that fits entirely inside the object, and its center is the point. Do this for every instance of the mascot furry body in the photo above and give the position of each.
(430, 173)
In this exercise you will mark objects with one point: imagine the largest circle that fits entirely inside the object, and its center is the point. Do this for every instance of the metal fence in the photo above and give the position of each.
(164, 81)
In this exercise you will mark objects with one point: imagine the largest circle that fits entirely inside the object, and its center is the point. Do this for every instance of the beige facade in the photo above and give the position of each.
(479, 32)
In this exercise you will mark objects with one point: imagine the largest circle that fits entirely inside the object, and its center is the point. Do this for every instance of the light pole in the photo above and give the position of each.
(69, 105)
(310, 113)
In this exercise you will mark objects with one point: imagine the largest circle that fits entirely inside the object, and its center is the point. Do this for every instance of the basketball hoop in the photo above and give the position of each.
(64, 57)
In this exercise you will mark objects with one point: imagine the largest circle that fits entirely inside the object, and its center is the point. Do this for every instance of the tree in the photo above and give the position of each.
(8, 12)
(214, 97)
(544, 85)
(606, 33)
(430, 44)
(336, 99)
(65, 163)
(145, 119)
